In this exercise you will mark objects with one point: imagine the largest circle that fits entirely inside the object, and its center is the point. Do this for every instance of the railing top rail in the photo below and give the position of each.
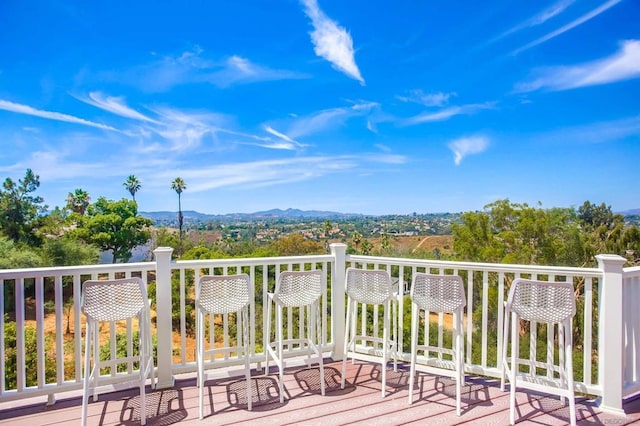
(253, 260)
(633, 271)
(73, 270)
(478, 266)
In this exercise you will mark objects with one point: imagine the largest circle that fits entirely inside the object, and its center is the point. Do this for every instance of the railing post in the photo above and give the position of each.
(610, 333)
(339, 251)
(163, 317)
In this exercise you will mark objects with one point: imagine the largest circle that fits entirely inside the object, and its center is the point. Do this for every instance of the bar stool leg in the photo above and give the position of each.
(347, 338)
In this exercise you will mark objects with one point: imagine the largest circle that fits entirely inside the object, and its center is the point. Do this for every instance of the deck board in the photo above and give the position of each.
(360, 403)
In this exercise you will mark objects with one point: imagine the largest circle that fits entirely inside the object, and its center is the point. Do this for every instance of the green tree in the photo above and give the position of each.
(19, 210)
(133, 185)
(14, 256)
(78, 201)
(179, 185)
(356, 238)
(68, 251)
(385, 243)
(31, 355)
(604, 230)
(296, 245)
(517, 233)
(366, 247)
(114, 226)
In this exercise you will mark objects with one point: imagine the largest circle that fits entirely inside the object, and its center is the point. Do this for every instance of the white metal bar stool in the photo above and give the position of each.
(441, 294)
(112, 301)
(296, 289)
(222, 295)
(369, 287)
(540, 302)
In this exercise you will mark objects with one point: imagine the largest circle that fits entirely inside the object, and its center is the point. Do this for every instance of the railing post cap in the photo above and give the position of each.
(163, 250)
(613, 259)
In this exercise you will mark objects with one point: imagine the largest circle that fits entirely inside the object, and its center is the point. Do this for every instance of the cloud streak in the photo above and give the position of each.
(285, 143)
(447, 113)
(264, 173)
(594, 133)
(571, 25)
(331, 41)
(192, 67)
(622, 65)
(427, 99)
(239, 70)
(328, 119)
(539, 19)
(51, 115)
(115, 105)
(464, 147)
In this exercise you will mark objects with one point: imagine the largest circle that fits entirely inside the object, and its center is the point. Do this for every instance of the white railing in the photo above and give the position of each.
(486, 286)
(599, 289)
(33, 290)
(631, 338)
(263, 273)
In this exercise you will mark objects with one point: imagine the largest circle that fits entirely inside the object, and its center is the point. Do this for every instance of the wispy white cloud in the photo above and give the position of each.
(581, 20)
(285, 141)
(539, 19)
(186, 129)
(192, 67)
(327, 119)
(256, 174)
(447, 113)
(427, 99)
(115, 105)
(27, 110)
(593, 133)
(464, 147)
(331, 41)
(622, 65)
(238, 70)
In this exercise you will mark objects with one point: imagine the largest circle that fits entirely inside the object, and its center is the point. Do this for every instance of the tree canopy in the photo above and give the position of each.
(508, 232)
(20, 209)
(114, 226)
(133, 185)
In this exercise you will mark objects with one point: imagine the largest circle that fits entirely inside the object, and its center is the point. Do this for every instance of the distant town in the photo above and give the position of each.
(270, 225)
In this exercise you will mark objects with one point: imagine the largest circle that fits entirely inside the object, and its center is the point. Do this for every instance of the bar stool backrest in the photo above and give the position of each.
(223, 294)
(113, 300)
(539, 301)
(298, 288)
(438, 293)
(370, 286)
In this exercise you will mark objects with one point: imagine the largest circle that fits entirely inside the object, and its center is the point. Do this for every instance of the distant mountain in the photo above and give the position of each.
(632, 212)
(301, 213)
(190, 215)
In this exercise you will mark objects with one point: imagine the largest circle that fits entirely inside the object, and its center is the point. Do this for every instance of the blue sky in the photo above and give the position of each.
(371, 107)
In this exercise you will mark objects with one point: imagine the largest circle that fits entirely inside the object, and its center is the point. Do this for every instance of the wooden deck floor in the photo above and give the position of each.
(359, 403)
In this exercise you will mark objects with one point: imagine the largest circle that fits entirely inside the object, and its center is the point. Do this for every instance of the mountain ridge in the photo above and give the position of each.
(266, 214)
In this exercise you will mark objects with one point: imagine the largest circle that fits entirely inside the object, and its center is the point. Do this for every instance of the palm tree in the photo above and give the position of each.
(78, 201)
(179, 185)
(133, 185)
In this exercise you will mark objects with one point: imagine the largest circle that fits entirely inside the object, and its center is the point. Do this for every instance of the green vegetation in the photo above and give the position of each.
(503, 232)
(113, 226)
